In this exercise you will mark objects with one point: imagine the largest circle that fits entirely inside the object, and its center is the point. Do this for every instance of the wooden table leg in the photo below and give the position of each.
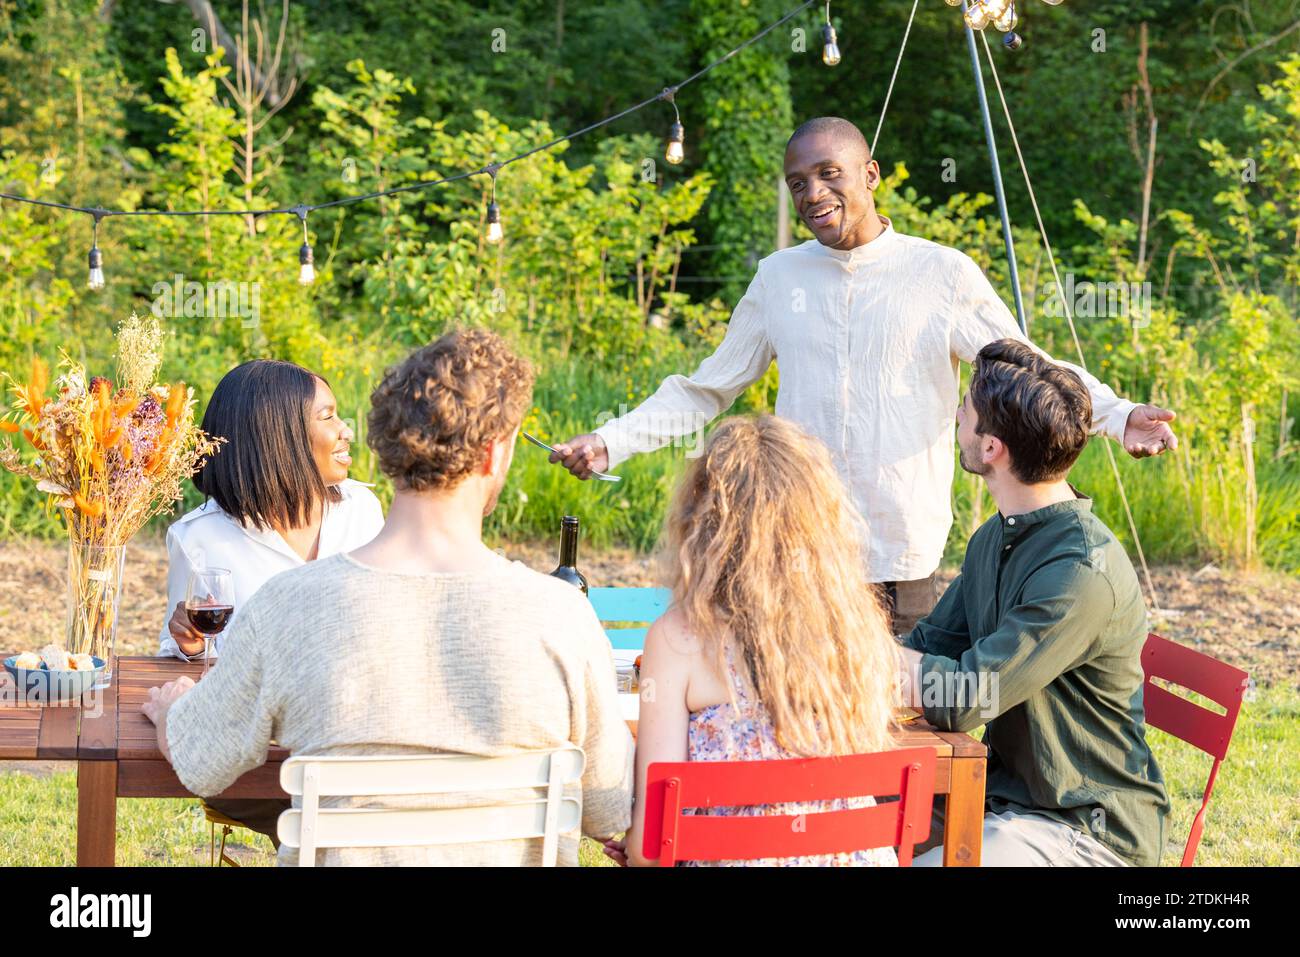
(96, 813)
(963, 820)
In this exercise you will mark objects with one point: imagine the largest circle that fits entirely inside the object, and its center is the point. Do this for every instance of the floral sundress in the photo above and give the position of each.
(721, 733)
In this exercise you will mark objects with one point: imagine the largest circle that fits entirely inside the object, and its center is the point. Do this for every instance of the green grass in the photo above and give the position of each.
(1254, 816)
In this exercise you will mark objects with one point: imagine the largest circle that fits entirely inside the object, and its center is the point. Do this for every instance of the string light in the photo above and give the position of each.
(674, 154)
(830, 48)
(1001, 13)
(96, 279)
(675, 151)
(494, 231)
(306, 259)
(977, 16)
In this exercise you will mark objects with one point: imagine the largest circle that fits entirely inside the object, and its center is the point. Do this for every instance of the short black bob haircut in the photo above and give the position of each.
(264, 473)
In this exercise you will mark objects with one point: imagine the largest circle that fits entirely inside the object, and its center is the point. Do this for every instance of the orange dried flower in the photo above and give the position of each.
(176, 402)
(36, 387)
(10, 427)
(125, 403)
(33, 393)
(93, 508)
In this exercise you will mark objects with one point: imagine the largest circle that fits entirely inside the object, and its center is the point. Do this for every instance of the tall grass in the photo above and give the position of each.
(1186, 509)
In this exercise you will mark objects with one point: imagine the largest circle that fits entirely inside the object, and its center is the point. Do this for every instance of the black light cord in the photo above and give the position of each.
(491, 169)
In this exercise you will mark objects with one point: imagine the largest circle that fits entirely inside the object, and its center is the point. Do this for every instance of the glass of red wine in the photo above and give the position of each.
(209, 603)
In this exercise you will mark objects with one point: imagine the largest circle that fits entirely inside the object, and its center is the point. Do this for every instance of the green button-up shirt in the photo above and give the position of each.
(1040, 638)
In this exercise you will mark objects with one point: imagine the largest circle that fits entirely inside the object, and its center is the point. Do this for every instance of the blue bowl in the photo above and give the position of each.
(41, 684)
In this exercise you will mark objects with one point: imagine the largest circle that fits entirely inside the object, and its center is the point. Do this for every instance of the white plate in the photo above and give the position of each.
(625, 657)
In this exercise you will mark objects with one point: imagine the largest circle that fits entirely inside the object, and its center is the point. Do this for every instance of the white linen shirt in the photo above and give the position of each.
(868, 342)
(208, 537)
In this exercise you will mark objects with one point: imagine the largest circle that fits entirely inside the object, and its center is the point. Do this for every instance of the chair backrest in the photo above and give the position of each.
(1186, 720)
(672, 836)
(313, 827)
(629, 604)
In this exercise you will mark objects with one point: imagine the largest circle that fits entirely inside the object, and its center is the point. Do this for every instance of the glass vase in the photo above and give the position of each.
(94, 587)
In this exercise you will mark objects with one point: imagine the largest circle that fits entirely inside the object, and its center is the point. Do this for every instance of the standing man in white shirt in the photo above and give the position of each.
(868, 326)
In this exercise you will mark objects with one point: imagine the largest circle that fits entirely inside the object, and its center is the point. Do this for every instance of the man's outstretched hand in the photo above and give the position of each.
(1148, 431)
(582, 455)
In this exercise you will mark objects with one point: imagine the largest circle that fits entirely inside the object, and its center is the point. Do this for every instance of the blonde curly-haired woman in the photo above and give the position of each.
(776, 645)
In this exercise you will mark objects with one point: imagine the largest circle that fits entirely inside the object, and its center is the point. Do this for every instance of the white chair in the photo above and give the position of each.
(314, 827)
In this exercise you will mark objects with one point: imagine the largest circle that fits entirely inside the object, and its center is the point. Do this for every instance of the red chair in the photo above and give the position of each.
(672, 836)
(1187, 721)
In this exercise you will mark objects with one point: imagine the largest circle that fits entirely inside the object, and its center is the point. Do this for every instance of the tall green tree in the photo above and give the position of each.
(741, 114)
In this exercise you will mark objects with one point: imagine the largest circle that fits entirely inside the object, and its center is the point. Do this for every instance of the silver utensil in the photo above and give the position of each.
(600, 475)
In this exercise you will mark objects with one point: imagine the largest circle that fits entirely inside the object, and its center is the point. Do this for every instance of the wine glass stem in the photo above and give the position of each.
(207, 652)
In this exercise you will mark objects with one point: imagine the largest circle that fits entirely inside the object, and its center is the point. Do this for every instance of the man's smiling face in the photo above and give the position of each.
(832, 183)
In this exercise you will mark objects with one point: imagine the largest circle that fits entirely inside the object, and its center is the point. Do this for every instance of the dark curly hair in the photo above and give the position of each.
(1040, 410)
(433, 416)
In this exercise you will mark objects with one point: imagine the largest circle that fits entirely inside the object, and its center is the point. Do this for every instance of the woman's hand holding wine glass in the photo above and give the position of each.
(209, 605)
(188, 638)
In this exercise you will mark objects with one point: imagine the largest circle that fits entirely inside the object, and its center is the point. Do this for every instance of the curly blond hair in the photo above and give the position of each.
(763, 550)
(434, 415)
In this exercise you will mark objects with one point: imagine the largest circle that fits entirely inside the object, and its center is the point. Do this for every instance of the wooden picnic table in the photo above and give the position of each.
(117, 756)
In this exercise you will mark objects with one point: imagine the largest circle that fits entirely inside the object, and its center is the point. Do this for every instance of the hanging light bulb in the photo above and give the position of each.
(676, 151)
(977, 16)
(494, 233)
(96, 269)
(1052, 3)
(306, 265)
(1007, 20)
(95, 281)
(996, 8)
(830, 49)
(953, 3)
(306, 259)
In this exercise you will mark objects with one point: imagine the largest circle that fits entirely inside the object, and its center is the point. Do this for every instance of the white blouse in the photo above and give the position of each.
(208, 537)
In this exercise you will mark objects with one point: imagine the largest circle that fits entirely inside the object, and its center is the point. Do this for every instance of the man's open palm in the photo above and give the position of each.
(1148, 431)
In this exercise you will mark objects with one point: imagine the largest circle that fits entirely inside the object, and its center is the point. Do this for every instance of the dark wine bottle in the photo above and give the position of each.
(567, 570)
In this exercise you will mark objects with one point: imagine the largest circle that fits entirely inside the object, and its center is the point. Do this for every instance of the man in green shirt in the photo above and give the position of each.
(1040, 636)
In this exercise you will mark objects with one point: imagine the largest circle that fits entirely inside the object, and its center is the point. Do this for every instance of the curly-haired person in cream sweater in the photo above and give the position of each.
(424, 640)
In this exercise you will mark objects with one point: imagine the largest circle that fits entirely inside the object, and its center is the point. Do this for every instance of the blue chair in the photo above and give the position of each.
(629, 604)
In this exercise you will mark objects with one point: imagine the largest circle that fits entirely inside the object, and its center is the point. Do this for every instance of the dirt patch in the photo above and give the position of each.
(1248, 620)
(1251, 621)
(33, 595)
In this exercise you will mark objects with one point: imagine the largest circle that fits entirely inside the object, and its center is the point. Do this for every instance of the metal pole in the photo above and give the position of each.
(997, 175)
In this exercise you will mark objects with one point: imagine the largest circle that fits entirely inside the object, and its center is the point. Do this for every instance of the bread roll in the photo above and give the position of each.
(55, 658)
